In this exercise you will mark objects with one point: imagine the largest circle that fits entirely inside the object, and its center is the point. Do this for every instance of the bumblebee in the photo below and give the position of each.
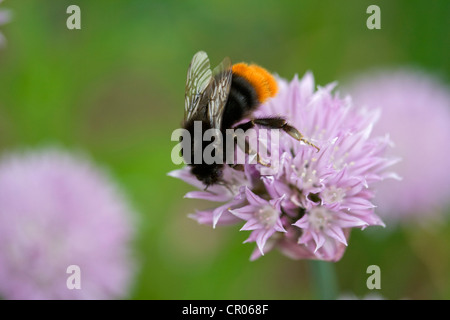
(223, 97)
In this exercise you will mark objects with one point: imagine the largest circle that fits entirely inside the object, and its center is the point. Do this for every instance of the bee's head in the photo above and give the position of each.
(208, 174)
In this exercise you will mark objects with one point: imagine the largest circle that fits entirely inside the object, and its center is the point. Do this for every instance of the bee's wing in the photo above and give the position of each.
(199, 77)
(220, 89)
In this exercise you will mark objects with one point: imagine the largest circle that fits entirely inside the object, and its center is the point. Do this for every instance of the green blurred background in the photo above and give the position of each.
(115, 89)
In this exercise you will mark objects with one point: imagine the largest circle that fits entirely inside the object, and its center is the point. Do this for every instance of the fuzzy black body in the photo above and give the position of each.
(207, 173)
(242, 101)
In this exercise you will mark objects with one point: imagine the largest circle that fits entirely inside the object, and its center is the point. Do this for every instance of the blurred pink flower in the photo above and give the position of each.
(308, 205)
(58, 210)
(416, 114)
(5, 17)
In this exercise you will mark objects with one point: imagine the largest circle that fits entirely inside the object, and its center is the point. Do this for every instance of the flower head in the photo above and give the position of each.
(308, 201)
(416, 114)
(58, 210)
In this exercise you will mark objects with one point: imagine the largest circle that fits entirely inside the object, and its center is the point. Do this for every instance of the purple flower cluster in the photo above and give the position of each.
(308, 205)
(415, 110)
(58, 210)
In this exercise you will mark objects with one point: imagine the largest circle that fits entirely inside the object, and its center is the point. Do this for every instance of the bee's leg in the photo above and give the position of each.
(281, 123)
(226, 185)
(245, 147)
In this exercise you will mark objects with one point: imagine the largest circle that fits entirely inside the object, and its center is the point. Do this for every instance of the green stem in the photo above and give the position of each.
(324, 279)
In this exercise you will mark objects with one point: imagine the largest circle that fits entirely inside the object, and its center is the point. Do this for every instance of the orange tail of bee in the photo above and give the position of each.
(262, 81)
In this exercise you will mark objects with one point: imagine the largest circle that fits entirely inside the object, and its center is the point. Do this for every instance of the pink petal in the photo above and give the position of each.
(262, 237)
(250, 225)
(337, 234)
(205, 195)
(319, 239)
(254, 199)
